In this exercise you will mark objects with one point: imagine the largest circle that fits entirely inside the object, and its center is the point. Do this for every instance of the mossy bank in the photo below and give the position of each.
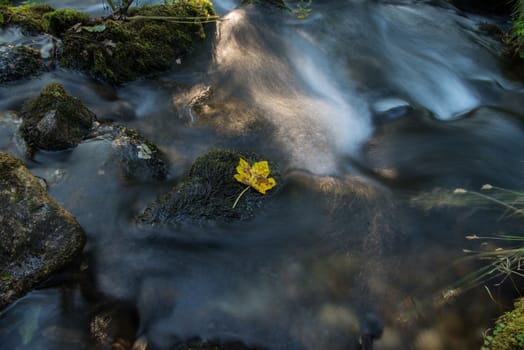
(508, 331)
(518, 30)
(151, 39)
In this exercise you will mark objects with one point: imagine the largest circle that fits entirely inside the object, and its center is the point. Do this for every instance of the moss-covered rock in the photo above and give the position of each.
(37, 237)
(54, 120)
(150, 40)
(41, 18)
(518, 30)
(208, 193)
(29, 17)
(57, 22)
(19, 62)
(137, 158)
(508, 333)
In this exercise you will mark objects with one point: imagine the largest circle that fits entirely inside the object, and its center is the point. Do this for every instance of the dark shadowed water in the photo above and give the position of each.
(366, 105)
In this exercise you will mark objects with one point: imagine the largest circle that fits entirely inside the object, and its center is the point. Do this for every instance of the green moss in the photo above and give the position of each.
(151, 39)
(54, 120)
(518, 29)
(28, 17)
(41, 18)
(6, 276)
(59, 21)
(508, 333)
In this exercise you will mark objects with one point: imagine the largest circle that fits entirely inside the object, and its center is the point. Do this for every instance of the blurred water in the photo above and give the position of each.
(364, 104)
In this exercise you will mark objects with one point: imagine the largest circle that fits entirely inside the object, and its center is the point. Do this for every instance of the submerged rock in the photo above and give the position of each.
(54, 120)
(19, 62)
(208, 193)
(37, 236)
(137, 158)
(150, 40)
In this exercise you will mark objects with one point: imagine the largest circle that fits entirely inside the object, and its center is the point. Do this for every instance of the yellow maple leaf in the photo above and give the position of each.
(256, 176)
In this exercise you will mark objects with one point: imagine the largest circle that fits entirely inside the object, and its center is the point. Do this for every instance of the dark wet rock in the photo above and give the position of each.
(37, 236)
(137, 157)
(208, 193)
(114, 325)
(371, 329)
(19, 62)
(54, 120)
(277, 3)
(198, 344)
(492, 30)
(150, 40)
(486, 6)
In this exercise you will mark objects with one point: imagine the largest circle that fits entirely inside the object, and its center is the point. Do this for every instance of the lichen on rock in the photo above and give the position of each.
(54, 120)
(37, 236)
(208, 193)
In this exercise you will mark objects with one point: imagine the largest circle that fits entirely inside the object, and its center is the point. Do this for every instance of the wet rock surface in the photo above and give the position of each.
(486, 6)
(19, 62)
(54, 120)
(37, 236)
(137, 158)
(208, 193)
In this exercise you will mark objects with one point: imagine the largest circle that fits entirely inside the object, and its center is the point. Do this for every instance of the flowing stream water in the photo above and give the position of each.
(375, 101)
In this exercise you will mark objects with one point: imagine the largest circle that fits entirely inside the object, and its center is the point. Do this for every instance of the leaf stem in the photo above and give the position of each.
(240, 195)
